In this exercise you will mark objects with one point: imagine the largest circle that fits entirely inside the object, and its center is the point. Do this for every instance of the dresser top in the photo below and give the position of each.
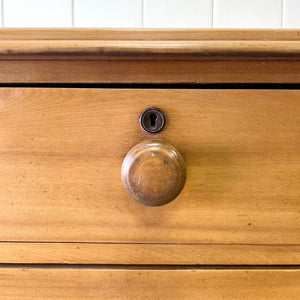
(152, 56)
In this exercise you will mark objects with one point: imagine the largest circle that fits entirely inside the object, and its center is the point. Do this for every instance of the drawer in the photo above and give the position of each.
(62, 151)
(73, 156)
(95, 283)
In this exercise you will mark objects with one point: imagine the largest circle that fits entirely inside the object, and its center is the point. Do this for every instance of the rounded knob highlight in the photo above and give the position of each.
(153, 173)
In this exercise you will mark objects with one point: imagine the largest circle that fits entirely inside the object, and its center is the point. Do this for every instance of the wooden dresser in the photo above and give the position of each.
(227, 149)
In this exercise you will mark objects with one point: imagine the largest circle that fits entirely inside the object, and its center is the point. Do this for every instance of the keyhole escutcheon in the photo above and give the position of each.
(152, 120)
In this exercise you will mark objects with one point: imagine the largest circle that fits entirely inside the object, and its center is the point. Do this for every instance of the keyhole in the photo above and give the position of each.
(153, 118)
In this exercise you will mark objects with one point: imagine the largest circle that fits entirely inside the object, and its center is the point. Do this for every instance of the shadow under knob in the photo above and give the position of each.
(153, 173)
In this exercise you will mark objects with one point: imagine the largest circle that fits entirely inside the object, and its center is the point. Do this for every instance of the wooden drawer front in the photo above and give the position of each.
(23, 283)
(61, 152)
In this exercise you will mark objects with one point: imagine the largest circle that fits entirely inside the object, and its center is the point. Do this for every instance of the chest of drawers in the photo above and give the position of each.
(70, 106)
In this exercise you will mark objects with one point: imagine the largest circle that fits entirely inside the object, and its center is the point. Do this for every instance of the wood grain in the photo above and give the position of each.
(61, 152)
(147, 34)
(28, 283)
(148, 254)
(143, 72)
(137, 50)
(149, 56)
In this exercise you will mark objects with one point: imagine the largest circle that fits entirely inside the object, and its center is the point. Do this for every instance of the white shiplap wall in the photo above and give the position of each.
(151, 13)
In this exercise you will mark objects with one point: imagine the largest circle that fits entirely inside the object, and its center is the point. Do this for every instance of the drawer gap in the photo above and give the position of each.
(241, 86)
(150, 267)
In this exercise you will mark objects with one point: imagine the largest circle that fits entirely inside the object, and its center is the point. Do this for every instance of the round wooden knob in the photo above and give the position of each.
(153, 173)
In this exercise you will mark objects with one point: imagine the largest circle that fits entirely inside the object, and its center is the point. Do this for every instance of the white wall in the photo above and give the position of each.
(151, 13)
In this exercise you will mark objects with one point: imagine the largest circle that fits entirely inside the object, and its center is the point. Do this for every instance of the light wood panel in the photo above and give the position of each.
(147, 34)
(138, 50)
(149, 56)
(61, 152)
(190, 72)
(28, 283)
(148, 254)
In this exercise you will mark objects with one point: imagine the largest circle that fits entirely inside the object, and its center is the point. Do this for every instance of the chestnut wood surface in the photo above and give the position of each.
(61, 152)
(97, 283)
(62, 205)
(148, 254)
(147, 71)
(150, 50)
(149, 56)
(148, 34)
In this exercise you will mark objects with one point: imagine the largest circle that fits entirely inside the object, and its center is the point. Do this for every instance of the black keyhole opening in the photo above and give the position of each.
(153, 118)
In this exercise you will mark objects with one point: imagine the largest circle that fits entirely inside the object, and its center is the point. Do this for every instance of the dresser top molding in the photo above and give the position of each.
(139, 44)
(149, 56)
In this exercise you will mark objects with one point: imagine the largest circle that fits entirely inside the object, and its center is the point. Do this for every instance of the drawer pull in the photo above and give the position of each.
(153, 173)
